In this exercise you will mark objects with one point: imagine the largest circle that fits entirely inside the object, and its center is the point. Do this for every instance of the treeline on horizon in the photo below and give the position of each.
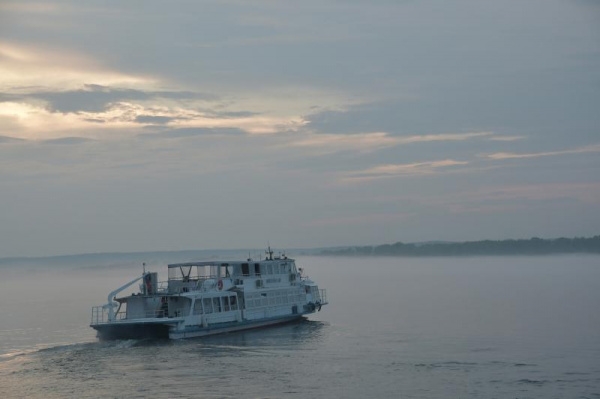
(532, 246)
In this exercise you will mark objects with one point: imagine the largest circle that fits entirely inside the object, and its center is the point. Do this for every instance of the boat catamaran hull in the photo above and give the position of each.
(212, 297)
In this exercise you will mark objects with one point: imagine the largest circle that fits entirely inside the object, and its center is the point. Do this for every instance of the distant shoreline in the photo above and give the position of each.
(532, 246)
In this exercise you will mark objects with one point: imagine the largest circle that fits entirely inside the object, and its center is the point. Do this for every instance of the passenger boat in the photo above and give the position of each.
(210, 297)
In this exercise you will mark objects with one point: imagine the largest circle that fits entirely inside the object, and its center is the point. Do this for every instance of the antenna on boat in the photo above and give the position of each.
(270, 253)
(144, 267)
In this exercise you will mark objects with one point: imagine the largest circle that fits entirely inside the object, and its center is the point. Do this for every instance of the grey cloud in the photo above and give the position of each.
(95, 98)
(190, 132)
(396, 117)
(68, 141)
(94, 120)
(159, 120)
(235, 114)
(8, 139)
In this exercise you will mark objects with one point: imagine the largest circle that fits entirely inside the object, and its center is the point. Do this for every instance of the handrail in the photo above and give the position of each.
(323, 296)
(100, 315)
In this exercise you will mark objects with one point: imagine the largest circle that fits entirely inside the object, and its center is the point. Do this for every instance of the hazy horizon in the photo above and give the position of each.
(259, 253)
(224, 124)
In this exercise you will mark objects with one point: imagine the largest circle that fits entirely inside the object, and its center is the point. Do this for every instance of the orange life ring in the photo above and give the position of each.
(220, 284)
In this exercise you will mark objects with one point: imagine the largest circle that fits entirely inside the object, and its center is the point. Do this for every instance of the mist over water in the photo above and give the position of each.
(483, 327)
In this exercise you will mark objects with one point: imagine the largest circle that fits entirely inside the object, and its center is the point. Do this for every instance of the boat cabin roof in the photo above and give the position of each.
(227, 263)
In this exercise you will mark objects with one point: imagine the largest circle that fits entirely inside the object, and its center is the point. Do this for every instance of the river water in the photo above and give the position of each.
(475, 327)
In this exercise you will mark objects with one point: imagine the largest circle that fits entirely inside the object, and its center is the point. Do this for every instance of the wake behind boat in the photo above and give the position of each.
(210, 297)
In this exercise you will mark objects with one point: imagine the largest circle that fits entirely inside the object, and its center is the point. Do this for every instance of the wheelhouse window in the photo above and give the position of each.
(257, 269)
(217, 304)
(198, 307)
(226, 307)
(224, 270)
(187, 272)
(245, 269)
(207, 302)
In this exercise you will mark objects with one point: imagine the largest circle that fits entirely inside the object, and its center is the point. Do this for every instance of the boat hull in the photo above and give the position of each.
(114, 331)
(231, 327)
(144, 330)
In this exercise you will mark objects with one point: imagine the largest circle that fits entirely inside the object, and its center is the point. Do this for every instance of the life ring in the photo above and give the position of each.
(220, 284)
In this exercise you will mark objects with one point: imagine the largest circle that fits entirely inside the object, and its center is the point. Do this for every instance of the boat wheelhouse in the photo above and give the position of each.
(210, 297)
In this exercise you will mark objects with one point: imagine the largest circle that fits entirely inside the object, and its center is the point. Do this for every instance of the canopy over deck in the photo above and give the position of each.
(226, 263)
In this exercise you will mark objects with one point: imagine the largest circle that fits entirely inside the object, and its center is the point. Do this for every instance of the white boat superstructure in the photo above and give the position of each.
(210, 297)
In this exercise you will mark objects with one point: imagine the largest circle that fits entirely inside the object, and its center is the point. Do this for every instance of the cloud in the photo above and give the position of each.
(26, 68)
(96, 98)
(506, 138)
(512, 155)
(192, 132)
(443, 137)
(35, 120)
(329, 143)
(53, 93)
(153, 120)
(8, 139)
(67, 141)
(397, 170)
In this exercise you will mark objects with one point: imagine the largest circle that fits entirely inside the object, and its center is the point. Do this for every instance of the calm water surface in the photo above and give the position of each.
(494, 327)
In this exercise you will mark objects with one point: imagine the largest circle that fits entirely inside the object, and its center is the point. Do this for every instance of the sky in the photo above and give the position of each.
(153, 125)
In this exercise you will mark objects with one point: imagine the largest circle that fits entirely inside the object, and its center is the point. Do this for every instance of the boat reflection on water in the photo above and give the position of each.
(294, 334)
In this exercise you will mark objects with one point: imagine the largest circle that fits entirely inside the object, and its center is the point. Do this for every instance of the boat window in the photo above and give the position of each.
(233, 301)
(207, 271)
(207, 305)
(257, 269)
(180, 273)
(198, 307)
(185, 272)
(217, 304)
(224, 270)
(245, 269)
(226, 304)
(269, 269)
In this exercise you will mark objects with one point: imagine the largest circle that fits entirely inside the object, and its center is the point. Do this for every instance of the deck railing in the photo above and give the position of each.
(323, 296)
(100, 315)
